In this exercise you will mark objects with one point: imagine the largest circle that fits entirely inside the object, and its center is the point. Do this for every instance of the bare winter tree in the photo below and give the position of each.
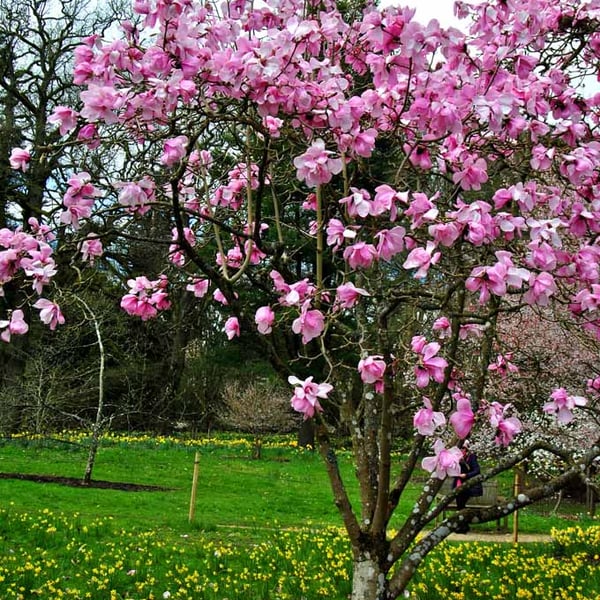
(257, 407)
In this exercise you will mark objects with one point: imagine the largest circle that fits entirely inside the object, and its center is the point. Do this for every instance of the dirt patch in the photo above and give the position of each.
(95, 484)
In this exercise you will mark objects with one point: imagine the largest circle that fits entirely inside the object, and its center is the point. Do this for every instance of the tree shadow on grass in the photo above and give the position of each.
(77, 482)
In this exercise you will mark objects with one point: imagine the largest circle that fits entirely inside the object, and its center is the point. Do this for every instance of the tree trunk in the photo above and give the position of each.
(306, 434)
(97, 426)
(257, 448)
(89, 467)
(369, 582)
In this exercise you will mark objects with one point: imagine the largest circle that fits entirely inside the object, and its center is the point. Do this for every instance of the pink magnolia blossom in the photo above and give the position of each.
(421, 209)
(146, 298)
(470, 330)
(136, 196)
(586, 299)
(541, 288)
(90, 249)
(311, 203)
(429, 365)
(364, 142)
(9, 263)
(371, 369)
(422, 259)
(360, 255)
(50, 313)
(542, 256)
(463, 418)
(445, 234)
(101, 102)
(16, 325)
(506, 426)
(256, 254)
(310, 323)
(426, 420)
(234, 258)
(273, 125)
(220, 297)
(443, 327)
(279, 282)
(199, 287)
(138, 306)
(507, 429)
(417, 343)
(541, 157)
(41, 269)
(419, 156)
(295, 293)
(524, 65)
(472, 174)
(65, 118)
(19, 159)
(445, 463)
(391, 242)
(232, 328)
(547, 230)
(358, 203)
(562, 405)
(316, 166)
(78, 199)
(264, 319)
(502, 366)
(89, 134)
(338, 234)
(40, 231)
(593, 386)
(174, 150)
(347, 295)
(497, 279)
(306, 395)
(387, 199)
(582, 220)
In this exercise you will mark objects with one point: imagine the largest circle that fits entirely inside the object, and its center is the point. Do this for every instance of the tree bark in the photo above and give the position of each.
(97, 426)
(306, 434)
(369, 582)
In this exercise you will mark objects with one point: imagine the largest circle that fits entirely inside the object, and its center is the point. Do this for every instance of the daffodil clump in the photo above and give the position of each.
(58, 556)
(46, 555)
(567, 569)
(219, 440)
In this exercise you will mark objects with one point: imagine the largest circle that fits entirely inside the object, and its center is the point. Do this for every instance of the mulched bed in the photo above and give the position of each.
(77, 482)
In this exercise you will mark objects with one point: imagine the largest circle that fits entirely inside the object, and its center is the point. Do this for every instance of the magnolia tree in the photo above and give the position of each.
(367, 197)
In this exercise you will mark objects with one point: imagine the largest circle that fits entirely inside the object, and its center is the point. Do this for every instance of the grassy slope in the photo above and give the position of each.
(286, 488)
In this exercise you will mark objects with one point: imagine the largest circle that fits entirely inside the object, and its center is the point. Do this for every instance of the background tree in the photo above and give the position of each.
(257, 407)
(37, 42)
(367, 197)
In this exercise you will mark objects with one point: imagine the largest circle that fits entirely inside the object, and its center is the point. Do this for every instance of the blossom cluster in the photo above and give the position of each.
(462, 104)
(29, 254)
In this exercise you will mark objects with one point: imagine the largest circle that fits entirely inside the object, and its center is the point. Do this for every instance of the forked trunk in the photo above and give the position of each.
(369, 581)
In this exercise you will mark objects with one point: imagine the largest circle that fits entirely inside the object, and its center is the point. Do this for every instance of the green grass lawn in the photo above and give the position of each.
(286, 488)
(262, 529)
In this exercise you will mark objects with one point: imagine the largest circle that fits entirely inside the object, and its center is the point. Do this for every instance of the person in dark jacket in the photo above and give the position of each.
(469, 468)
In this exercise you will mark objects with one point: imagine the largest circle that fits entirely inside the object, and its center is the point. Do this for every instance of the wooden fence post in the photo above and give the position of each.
(194, 487)
(517, 489)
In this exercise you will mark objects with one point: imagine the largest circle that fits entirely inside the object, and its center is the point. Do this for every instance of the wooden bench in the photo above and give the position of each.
(487, 500)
